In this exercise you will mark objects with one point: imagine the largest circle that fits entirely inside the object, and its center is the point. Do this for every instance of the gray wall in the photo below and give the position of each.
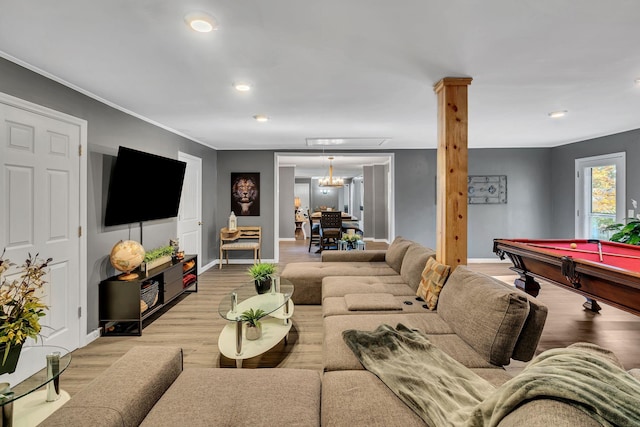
(248, 161)
(563, 168)
(527, 213)
(317, 198)
(286, 183)
(107, 129)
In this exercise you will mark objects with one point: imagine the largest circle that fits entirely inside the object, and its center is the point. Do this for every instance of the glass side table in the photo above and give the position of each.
(347, 246)
(23, 404)
(276, 324)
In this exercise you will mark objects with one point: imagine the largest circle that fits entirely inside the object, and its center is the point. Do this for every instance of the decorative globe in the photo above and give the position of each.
(127, 255)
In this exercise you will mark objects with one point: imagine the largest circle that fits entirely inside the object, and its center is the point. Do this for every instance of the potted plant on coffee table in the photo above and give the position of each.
(20, 308)
(252, 318)
(262, 273)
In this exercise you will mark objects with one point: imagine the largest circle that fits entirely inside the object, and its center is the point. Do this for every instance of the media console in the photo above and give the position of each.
(125, 304)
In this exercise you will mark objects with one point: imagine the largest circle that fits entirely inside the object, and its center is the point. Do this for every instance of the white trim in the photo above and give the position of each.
(620, 160)
(389, 157)
(92, 336)
(82, 199)
(208, 266)
(98, 98)
(288, 239)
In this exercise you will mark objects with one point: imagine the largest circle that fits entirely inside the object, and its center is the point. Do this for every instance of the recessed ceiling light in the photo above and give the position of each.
(558, 114)
(201, 22)
(261, 118)
(242, 87)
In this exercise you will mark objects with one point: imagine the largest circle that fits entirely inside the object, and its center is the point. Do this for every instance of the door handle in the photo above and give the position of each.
(199, 222)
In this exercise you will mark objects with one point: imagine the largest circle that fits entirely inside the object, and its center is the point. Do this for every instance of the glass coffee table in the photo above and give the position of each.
(276, 324)
(23, 404)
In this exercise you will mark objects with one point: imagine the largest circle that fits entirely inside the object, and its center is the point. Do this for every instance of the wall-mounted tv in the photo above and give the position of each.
(143, 187)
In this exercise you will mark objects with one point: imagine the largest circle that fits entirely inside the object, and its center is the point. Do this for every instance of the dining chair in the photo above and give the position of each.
(330, 229)
(314, 230)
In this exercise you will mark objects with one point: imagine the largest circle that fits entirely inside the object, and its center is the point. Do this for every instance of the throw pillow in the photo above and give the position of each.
(433, 277)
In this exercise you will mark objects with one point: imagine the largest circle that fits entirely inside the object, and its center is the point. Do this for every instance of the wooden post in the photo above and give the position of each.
(451, 222)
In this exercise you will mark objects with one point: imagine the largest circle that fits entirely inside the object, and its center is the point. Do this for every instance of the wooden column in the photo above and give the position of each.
(451, 244)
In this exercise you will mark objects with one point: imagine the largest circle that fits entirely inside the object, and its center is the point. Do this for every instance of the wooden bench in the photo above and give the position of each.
(245, 238)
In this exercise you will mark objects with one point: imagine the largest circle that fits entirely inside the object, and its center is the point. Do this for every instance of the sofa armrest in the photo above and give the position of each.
(354, 256)
(124, 394)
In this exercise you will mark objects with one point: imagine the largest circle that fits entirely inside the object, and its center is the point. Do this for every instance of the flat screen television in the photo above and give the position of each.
(143, 187)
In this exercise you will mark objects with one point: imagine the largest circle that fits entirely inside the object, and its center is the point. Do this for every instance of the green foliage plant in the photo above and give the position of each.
(252, 317)
(352, 238)
(262, 271)
(628, 233)
(20, 305)
(158, 253)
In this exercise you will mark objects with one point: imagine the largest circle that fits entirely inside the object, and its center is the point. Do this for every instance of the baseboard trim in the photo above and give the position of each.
(246, 261)
(208, 266)
(92, 336)
(287, 239)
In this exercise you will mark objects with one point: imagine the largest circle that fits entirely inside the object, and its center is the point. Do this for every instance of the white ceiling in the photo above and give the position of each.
(338, 68)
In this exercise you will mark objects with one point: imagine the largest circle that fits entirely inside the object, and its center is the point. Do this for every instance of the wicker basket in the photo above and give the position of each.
(149, 295)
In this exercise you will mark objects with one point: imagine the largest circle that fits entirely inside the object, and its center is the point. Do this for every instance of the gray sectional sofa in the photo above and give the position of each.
(480, 322)
(148, 387)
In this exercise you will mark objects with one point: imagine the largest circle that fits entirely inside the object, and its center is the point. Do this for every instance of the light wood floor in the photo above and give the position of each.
(193, 323)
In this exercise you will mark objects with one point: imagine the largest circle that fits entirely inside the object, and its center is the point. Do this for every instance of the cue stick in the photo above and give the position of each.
(582, 250)
(599, 246)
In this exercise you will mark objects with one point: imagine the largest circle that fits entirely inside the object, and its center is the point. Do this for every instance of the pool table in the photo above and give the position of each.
(599, 270)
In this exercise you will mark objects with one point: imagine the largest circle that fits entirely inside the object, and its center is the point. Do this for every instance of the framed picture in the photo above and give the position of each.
(245, 193)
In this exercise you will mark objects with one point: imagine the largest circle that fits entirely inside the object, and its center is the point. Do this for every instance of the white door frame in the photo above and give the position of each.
(619, 159)
(189, 158)
(84, 336)
(389, 157)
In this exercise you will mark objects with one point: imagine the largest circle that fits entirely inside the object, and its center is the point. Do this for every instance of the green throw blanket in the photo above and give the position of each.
(443, 392)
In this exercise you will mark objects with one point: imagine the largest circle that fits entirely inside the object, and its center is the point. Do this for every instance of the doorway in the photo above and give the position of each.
(43, 191)
(600, 194)
(190, 212)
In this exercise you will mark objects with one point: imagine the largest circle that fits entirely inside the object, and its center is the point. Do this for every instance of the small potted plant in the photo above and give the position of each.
(252, 319)
(158, 256)
(350, 240)
(262, 273)
(20, 308)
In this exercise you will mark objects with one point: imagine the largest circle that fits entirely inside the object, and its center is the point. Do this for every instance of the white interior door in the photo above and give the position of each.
(40, 193)
(190, 213)
(600, 194)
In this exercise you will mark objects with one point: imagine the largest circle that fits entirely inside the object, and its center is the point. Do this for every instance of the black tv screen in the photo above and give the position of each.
(143, 187)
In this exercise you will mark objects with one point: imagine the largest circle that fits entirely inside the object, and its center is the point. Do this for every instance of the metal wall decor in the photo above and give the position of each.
(487, 189)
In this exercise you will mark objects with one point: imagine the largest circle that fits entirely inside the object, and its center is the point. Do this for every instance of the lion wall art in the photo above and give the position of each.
(245, 193)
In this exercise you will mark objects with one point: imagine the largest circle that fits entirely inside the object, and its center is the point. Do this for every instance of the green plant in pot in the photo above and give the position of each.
(628, 233)
(262, 274)
(20, 308)
(252, 319)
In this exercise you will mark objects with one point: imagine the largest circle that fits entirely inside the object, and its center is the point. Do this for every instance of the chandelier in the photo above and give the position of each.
(330, 181)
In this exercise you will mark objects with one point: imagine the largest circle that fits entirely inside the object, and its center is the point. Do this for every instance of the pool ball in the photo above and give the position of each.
(573, 246)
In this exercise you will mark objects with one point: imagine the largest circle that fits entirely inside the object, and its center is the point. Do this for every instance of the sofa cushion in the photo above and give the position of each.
(307, 276)
(339, 286)
(396, 252)
(354, 256)
(335, 306)
(371, 301)
(484, 313)
(240, 397)
(125, 392)
(359, 398)
(337, 356)
(433, 277)
(413, 263)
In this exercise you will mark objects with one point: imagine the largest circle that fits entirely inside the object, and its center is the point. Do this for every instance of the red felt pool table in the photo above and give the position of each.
(615, 280)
